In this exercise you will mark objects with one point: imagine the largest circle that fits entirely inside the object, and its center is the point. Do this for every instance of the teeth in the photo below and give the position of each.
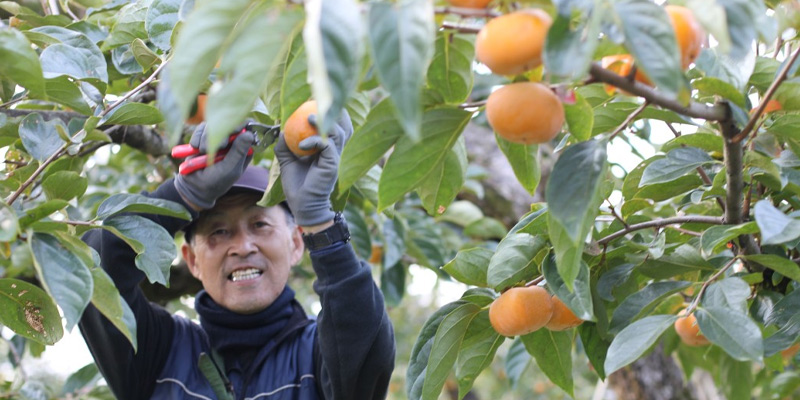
(245, 274)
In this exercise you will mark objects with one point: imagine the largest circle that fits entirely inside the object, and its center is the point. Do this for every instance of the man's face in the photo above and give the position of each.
(242, 253)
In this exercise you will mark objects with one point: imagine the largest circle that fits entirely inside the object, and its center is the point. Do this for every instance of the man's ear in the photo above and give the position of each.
(297, 245)
(191, 259)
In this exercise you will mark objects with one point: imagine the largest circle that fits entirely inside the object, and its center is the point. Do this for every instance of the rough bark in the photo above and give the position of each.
(655, 377)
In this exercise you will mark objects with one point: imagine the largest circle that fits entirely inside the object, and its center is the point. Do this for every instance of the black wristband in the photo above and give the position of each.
(338, 232)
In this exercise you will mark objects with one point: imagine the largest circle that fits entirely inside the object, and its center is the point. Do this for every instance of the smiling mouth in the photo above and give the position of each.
(244, 274)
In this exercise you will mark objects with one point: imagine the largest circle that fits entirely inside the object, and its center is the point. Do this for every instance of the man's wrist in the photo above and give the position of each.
(327, 234)
(317, 228)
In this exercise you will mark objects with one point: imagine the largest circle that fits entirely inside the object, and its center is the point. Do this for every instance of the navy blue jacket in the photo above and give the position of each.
(279, 353)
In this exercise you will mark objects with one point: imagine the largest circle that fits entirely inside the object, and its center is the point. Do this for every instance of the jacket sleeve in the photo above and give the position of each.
(355, 348)
(130, 375)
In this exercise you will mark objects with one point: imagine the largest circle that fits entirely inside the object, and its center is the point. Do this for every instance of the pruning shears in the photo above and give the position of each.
(265, 136)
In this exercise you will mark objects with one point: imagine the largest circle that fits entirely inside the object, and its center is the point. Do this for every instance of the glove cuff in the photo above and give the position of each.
(314, 217)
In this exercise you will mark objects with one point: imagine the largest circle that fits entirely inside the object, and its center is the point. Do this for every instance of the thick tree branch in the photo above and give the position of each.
(140, 137)
(734, 190)
(658, 223)
(751, 124)
(653, 96)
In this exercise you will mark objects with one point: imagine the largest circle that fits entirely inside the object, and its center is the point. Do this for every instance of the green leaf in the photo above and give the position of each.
(567, 53)
(199, 47)
(668, 190)
(517, 360)
(450, 72)
(64, 185)
(162, 15)
(462, 213)
(469, 266)
(420, 353)
(742, 17)
(368, 144)
(244, 68)
(107, 300)
(595, 346)
(134, 114)
(63, 91)
(394, 241)
(446, 345)
(633, 341)
(579, 301)
(734, 331)
(514, 260)
(441, 186)
(40, 138)
(143, 55)
(677, 163)
(29, 311)
(706, 141)
(334, 49)
(643, 302)
(612, 279)
(580, 118)
(40, 211)
(9, 224)
(477, 351)
(573, 194)
(524, 160)
(402, 41)
(25, 68)
(776, 227)
(295, 89)
(411, 162)
(74, 55)
(486, 228)
(63, 275)
(277, 74)
(731, 292)
(81, 378)
(785, 266)
(155, 248)
(130, 25)
(716, 87)
(136, 203)
(651, 40)
(715, 237)
(553, 353)
(738, 378)
(711, 16)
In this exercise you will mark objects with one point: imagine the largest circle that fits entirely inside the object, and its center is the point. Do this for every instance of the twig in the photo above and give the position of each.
(474, 104)
(135, 90)
(714, 277)
(653, 96)
(672, 128)
(65, 6)
(460, 28)
(616, 216)
(700, 171)
(17, 358)
(751, 124)
(467, 12)
(535, 281)
(12, 102)
(687, 232)
(659, 223)
(628, 120)
(78, 223)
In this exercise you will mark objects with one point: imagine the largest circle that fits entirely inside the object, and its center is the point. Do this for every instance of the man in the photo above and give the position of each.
(254, 340)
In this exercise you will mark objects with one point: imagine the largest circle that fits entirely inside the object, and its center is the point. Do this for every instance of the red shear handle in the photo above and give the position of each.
(200, 162)
(186, 150)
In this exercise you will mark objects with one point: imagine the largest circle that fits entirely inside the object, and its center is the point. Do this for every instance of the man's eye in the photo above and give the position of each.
(218, 232)
(261, 224)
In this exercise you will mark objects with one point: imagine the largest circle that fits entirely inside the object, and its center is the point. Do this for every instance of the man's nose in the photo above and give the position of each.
(243, 244)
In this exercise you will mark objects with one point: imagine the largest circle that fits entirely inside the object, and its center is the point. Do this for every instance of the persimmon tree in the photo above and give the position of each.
(94, 93)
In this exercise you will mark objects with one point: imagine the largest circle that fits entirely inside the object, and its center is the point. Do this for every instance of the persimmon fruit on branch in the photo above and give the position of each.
(525, 112)
(689, 331)
(522, 310)
(298, 128)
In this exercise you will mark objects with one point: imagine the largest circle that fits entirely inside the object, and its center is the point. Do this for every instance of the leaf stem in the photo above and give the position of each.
(628, 120)
(653, 96)
(535, 281)
(659, 223)
(135, 90)
(460, 28)
(703, 288)
(754, 119)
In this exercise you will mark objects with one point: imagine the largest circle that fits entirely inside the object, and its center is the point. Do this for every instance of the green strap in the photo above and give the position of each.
(215, 376)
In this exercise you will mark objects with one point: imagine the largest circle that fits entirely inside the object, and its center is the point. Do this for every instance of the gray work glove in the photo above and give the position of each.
(203, 187)
(309, 181)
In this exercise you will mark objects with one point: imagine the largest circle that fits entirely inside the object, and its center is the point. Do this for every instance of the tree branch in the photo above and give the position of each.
(460, 28)
(700, 293)
(653, 96)
(658, 223)
(751, 124)
(628, 120)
